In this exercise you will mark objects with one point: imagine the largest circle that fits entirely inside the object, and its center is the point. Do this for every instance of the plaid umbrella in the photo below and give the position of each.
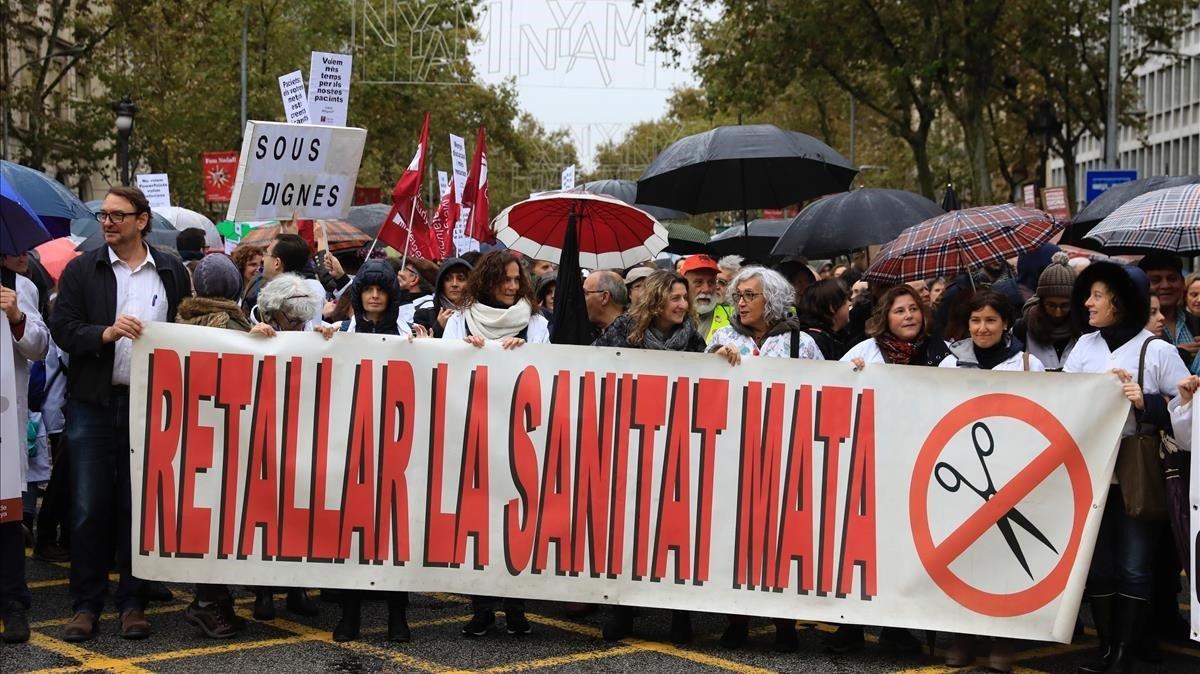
(959, 240)
(1160, 220)
(342, 235)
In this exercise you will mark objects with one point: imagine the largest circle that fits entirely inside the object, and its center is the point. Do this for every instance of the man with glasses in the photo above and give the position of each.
(605, 297)
(105, 298)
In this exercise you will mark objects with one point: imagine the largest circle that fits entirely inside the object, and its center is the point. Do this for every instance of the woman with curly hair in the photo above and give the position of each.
(499, 305)
(661, 319)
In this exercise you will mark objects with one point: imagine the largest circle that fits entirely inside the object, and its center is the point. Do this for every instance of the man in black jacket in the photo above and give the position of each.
(105, 297)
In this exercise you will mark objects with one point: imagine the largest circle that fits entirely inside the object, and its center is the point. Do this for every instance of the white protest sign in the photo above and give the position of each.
(329, 88)
(1193, 571)
(458, 161)
(156, 187)
(12, 436)
(300, 170)
(568, 178)
(443, 183)
(295, 102)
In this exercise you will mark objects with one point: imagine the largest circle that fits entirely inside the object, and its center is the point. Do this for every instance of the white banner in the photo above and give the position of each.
(12, 433)
(156, 187)
(1193, 570)
(794, 489)
(296, 170)
(295, 101)
(329, 88)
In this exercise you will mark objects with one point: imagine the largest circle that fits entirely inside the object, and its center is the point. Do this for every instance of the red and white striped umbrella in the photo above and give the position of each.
(612, 234)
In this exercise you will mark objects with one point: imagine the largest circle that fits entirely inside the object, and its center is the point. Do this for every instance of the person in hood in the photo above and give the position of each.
(543, 292)
(1046, 326)
(824, 313)
(375, 296)
(1111, 302)
(761, 326)
(991, 346)
(218, 287)
(449, 296)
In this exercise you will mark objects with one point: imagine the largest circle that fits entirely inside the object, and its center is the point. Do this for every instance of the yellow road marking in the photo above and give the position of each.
(397, 657)
(567, 659)
(90, 659)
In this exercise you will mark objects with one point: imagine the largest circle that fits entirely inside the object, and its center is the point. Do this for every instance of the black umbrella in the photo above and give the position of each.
(685, 240)
(570, 320)
(626, 190)
(840, 223)
(368, 218)
(755, 246)
(732, 168)
(1112, 199)
(950, 198)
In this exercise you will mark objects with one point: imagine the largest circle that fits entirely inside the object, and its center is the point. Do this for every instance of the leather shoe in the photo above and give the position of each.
(16, 626)
(134, 624)
(264, 604)
(299, 604)
(83, 626)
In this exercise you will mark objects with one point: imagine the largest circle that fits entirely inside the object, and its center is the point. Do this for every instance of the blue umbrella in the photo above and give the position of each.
(21, 229)
(50, 199)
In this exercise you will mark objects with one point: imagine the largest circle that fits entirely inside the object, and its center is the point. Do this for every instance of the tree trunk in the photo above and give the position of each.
(976, 141)
(920, 150)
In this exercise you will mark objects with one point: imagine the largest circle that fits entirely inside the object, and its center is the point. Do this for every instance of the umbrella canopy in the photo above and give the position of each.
(341, 234)
(960, 240)
(626, 190)
(183, 218)
(950, 199)
(54, 255)
(159, 238)
(570, 324)
(684, 239)
(739, 167)
(612, 234)
(47, 197)
(368, 218)
(842, 222)
(1116, 196)
(1161, 220)
(756, 245)
(20, 227)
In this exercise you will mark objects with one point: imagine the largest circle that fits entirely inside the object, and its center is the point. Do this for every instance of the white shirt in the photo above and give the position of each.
(140, 293)
(318, 315)
(538, 331)
(867, 349)
(1181, 425)
(31, 346)
(1014, 363)
(778, 346)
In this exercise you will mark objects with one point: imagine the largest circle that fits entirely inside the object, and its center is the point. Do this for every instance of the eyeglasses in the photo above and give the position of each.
(1057, 306)
(115, 217)
(749, 297)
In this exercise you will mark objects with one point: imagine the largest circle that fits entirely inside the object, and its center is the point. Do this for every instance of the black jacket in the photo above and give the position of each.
(87, 304)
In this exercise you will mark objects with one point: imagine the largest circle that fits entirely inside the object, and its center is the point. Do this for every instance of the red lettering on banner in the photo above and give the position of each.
(649, 414)
(473, 514)
(323, 522)
(234, 385)
(833, 428)
(593, 472)
(395, 449)
(196, 454)
(758, 486)
(260, 507)
(796, 525)
(439, 549)
(358, 483)
(672, 530)
(525, 415)
(858, 525)
(554, 508)
(293, 519)
(620, 462)
(711, 416)
(163, 426)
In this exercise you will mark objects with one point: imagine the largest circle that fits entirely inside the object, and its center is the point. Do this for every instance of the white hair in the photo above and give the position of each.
(778, 293)
(730, 263)
(290, 295)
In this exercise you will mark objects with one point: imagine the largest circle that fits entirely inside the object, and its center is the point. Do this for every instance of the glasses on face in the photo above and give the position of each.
(115, 217)
(1057, 306)
(749, 297)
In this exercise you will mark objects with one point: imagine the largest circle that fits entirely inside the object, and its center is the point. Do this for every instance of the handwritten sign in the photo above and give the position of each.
(329, 88)
(156, 187)
(295, 103)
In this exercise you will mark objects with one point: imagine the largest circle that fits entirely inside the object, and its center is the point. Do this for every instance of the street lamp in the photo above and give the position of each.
(125, 110)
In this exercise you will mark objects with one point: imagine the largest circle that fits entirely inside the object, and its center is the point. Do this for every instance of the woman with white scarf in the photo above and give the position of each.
(499, 306)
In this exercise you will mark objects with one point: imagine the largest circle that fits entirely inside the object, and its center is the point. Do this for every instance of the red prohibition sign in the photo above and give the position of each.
(936, 558)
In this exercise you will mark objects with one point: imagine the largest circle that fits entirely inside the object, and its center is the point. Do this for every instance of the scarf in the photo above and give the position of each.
(1042, 329)
(1115, 336)
(896, 350)
(495, 323)
(676, 341)
(993, 355)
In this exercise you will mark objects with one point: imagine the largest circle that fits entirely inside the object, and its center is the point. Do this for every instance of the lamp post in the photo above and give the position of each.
(125, 110)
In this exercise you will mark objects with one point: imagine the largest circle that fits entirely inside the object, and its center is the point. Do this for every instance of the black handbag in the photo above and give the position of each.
(1140, 467)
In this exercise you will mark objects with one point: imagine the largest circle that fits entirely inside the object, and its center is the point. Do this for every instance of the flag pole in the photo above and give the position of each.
(408, 242)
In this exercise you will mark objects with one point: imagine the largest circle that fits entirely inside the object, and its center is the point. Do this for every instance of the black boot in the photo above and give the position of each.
(264, 603)
(737, 632)
(681, 628)
(1130, 616)
(16, 625)
(1102, 615)
(786, 639)
(619, 624)
(398, 618)
(299, 604)
(350, 623)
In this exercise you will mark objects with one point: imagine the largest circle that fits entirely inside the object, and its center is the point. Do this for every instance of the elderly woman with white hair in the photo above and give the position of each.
(761, 323)
(285, 304)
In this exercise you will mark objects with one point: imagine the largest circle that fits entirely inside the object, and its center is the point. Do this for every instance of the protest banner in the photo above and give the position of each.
(295, 101)
(1193, 570)
(1055, 201)
(794, 489)
(329, 88)
(219, 170)
(568, 178)
(12, 433)
(156, 187)
(458, 163)
(1029, 196)
(296, 170)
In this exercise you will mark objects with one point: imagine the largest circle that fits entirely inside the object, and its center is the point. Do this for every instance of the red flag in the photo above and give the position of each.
(475, 193)
(407, 207)
(443, 221)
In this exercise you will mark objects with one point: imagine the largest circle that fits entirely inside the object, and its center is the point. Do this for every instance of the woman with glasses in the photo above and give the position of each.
(285, 304)
(1046, 327)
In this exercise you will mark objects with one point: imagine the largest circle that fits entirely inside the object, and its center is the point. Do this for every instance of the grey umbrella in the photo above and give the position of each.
(842, 222)
(626, 190)
(755, 246)
(1113, 198)
(368, 218)
(732, 168)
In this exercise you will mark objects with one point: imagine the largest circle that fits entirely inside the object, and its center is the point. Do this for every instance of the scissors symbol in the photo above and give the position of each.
(951, 480)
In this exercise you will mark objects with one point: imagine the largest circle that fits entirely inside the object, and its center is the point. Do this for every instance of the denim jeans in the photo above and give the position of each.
(98, 442)
(12, 565)
(1124, 556)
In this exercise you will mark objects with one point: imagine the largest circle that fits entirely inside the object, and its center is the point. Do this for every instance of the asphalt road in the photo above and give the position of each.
(299, 645)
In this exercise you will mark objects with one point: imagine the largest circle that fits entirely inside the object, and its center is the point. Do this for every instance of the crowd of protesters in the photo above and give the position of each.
(72, 340)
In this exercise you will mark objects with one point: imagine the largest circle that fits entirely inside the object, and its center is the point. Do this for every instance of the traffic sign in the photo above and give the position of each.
(1100, 180)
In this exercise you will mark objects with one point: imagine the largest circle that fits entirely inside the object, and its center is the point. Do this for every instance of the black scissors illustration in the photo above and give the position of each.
(956, 480)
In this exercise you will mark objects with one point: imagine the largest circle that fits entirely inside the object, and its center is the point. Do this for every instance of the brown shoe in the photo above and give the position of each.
(134, 624)
(83, 626)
